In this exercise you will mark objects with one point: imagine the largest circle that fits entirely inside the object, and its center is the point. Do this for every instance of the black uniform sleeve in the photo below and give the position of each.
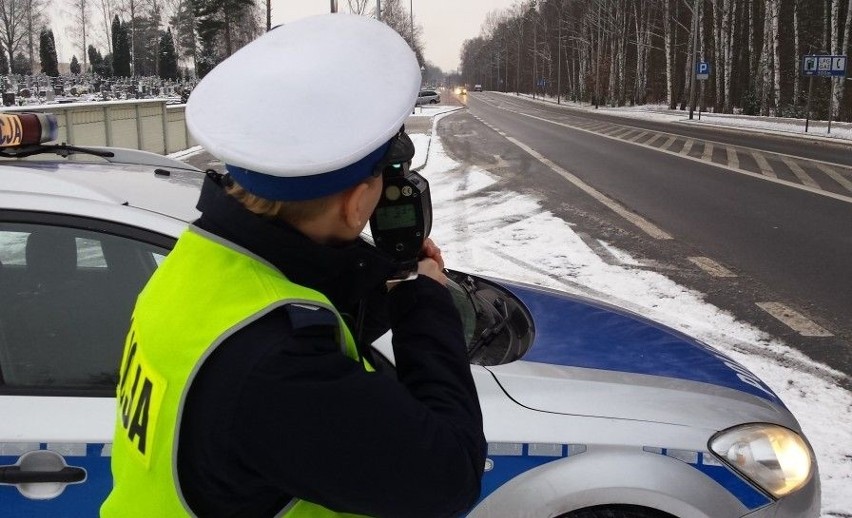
(303, 420)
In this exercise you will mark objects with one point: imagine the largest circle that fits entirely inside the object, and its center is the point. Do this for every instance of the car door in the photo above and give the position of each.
(68, 286)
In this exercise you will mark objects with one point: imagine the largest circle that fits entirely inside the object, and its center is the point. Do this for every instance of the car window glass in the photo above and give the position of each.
(67, 298)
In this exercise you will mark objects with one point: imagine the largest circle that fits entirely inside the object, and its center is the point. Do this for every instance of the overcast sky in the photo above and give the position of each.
(446, 23)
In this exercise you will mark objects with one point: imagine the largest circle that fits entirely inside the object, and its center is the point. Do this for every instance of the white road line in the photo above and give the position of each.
(650, 141)
(763, 165)
(609, 130)
(733, 158)
(839, 178)
(668, 143)
(768, 178)
(708, 152)
(643, 224)
(620, 133)
(793, 319)
(637, 137)
(800, 173)
(687, 147)
(711, 267)
(599, 126)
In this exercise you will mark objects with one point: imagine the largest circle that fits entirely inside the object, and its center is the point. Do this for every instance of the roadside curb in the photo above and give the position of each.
(435, 119)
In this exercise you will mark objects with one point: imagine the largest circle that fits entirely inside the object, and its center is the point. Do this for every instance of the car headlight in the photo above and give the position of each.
(775, 458)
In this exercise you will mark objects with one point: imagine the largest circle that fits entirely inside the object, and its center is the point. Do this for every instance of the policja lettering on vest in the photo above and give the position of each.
(138, 401)
(245, 387)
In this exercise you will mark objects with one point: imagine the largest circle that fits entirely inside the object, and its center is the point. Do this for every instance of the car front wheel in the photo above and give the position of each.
(617, 511)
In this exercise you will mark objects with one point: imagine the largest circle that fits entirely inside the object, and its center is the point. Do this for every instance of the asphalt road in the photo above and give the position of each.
(775, 213)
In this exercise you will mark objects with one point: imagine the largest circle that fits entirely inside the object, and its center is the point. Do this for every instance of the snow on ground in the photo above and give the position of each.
(507, 234)
(659, 112)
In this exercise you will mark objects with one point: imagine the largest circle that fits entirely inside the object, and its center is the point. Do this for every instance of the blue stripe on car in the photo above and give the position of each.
(574, 332)
(502, 468)
(84, 499)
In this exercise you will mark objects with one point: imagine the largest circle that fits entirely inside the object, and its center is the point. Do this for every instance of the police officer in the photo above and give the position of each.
(245, 388)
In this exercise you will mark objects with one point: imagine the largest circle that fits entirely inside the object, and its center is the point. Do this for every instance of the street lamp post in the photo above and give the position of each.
(411, 20)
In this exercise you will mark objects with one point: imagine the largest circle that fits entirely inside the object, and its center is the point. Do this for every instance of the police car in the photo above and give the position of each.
(589, 410)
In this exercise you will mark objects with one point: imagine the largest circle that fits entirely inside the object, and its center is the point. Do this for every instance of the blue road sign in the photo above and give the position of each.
(824, 66)
(702, 70)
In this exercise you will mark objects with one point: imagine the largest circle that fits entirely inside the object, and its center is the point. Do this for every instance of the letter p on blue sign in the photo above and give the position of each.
(702, 70)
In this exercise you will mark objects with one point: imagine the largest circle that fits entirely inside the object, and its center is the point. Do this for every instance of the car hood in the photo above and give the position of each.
(594, 359)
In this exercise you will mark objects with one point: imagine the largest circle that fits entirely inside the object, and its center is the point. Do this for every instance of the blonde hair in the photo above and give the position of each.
(293, 212)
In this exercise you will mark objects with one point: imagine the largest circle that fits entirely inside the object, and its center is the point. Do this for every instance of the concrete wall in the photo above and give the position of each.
(146, 124)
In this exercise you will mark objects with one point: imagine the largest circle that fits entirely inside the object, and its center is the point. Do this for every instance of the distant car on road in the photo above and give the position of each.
(477, 88)
(428, 97)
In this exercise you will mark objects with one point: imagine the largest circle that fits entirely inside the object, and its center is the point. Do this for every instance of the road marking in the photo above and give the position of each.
(839, 178)
(793, 319)
(800, 173)
(763, 165)
(733, 158)
(708, 152)
(687, 147)
(668, 143)
(768, 177)
(599, 126)
(643, 224)
(621, 132)
(637, 137)
(650, 141)
(711, 267)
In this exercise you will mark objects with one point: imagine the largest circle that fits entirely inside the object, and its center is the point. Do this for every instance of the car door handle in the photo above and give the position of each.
(15, 475)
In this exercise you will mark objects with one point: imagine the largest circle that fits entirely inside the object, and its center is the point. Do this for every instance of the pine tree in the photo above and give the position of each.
(168, 56)
(120, 48)
(21, 64)
(75, 65)
(47, 53)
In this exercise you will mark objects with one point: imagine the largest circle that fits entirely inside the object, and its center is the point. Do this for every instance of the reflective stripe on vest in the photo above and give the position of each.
(205, 290)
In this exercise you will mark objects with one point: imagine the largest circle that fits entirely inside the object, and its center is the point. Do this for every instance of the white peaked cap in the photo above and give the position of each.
(307, 98)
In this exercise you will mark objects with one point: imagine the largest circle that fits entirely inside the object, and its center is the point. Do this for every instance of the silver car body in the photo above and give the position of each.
(604, 407)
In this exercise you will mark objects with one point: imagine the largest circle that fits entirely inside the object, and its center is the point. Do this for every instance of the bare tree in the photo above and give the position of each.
(107, 9)
(358, 7)
(35, 18)
(13, 24)
(78, 30)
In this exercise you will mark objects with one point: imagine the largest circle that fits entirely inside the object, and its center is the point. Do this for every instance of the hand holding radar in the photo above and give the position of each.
(403, 217)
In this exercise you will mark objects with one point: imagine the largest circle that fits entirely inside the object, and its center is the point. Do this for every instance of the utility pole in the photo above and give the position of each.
(518, 64)
(411, 20)
(692, 59)
(559, 56)
(379, 10)
(334, 6)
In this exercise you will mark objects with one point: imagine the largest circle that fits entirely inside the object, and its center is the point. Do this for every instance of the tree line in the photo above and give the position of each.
(126, 38)
(620, 52)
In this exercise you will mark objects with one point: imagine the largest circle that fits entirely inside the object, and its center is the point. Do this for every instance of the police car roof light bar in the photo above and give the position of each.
(28, 128)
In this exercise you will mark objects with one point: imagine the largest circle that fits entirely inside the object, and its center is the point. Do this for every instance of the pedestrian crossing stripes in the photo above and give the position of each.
(824, 178)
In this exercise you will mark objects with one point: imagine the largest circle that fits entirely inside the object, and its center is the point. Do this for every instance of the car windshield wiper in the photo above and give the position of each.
(62, 150)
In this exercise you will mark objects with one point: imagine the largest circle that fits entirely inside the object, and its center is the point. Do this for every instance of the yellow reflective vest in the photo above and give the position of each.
(204, 291)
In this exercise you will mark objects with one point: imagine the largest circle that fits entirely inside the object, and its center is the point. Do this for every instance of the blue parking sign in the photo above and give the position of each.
(702, 70)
